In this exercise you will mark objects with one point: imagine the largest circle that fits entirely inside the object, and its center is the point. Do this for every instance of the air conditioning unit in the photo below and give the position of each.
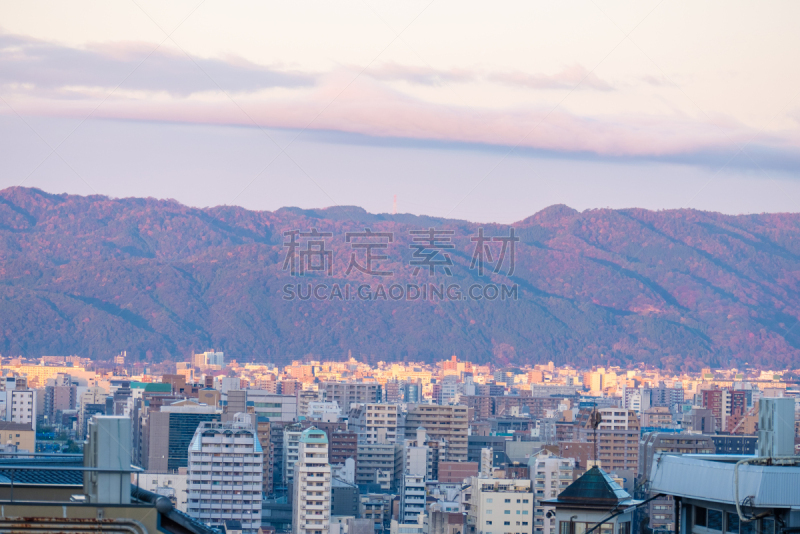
(108, 447)
(775, 427)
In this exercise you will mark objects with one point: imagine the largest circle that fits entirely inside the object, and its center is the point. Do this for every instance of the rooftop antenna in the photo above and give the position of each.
(595, 420)
(394, 205)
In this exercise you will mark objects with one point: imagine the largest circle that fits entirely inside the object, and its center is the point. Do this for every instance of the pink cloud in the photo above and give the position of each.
(575, 76)
(333, 101)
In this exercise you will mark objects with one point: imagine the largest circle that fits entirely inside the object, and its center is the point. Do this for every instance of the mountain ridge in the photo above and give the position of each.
(680, 289)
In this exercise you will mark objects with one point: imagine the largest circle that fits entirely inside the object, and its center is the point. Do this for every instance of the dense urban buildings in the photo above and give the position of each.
(319, 447)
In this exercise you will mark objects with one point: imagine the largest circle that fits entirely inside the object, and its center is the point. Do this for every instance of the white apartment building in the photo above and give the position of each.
(291, 453)
(311, 505)
(551, 474)
(499, 506)
(374, 423)
(412, 501)
(324, 411)
(21, 407)
(415, 454)
(618, 419)
(281, 408)
(226, 467)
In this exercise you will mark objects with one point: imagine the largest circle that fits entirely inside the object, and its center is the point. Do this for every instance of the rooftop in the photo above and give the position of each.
(593, 488)
(713, 478)
(7, 425)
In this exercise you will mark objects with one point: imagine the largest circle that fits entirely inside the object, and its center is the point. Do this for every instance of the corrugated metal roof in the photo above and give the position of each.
(769, 486)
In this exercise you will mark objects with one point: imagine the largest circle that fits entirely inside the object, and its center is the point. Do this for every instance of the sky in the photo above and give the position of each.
(471, 110)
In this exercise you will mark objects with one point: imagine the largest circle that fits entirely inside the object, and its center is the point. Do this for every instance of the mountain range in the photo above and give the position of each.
(679, 289)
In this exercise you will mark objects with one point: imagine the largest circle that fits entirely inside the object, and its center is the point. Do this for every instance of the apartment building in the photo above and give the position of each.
(226, 474)
(499, 506)
(18, 434)
(657, 417)
(21, 407)
(377, 464)
(264, 433)
(616, 449)
(374, 423)
(291, 452)
(347, 393)
(311, 505)
(447, 424)
(728, 407)
(551, 474)
(168, 433)
(281, 408)
(342, 445)
(412, 498)
(618, 419)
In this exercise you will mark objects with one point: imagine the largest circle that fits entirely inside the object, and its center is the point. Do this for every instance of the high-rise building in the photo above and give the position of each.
(226, 473)
(311, 504)
(264, 432)
(92, 396)
(618, 419)
(374, 423)
(209, 358)
(392, 392)
(728, 407)
(61, 395)
(412, 392)
(347, 393)
(550, 474)
(21, 407)
(342, 445)
(447, 424)
(169, 432)
(376, 464)
(291, 452)
(412, 501)
(281, 408)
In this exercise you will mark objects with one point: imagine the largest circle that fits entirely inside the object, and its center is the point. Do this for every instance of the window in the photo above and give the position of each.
(506, 522)
(524, 501)
(732, 523)
(488, 522)
(489, 501)
(699, 516)
(714, 520)
(524, 523)
(508, 500)
(507, 512)
(767, 525)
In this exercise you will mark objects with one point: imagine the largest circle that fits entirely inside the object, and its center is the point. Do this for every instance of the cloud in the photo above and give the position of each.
(47, 67)
(40, 78)
(575, 76)
(419, 75)
(658, 81)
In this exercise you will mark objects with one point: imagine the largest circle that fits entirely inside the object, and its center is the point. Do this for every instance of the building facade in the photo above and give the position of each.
(226, 472)
(311, 503)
